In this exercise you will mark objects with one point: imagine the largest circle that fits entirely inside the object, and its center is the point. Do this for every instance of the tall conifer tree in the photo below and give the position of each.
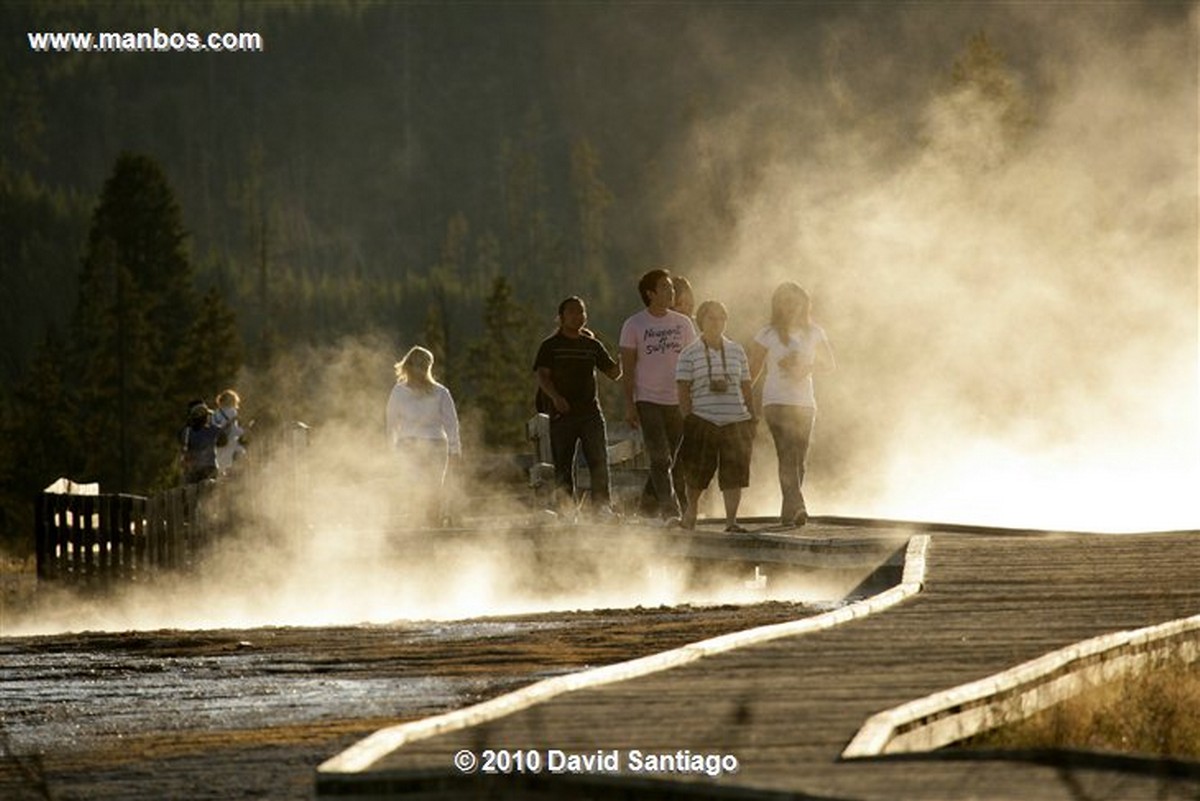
(500, 367)
(140, 343)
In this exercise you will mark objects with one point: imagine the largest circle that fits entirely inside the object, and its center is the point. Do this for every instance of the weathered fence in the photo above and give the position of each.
(627, 460)
(97, 540)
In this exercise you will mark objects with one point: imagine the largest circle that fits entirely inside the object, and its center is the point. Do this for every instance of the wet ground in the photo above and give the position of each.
(251, 713)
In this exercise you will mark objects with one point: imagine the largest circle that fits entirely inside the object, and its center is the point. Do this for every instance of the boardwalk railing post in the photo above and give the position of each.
(45, 536)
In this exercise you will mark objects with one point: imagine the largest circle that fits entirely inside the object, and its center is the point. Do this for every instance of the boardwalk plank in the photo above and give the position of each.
(786, 708)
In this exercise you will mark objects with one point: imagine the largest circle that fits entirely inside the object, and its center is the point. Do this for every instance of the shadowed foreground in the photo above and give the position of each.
(251, 713)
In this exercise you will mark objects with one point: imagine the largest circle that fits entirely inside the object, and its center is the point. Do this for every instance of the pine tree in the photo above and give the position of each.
(40, 435)
(214, 352)
(142, 343)
(984, 69)
(114, 351)
(434, 333)
(447, 289)
(984, 116)
(592, 201)
(500, 367)
(39, 439)
(534, 248)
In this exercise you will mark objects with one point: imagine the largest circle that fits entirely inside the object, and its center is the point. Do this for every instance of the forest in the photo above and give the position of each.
(398, 173)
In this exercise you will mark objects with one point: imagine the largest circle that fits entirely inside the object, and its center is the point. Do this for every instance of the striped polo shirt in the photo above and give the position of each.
(697, 362)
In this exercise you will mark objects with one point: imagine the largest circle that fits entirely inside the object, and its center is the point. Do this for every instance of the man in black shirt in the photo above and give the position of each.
(566, 366)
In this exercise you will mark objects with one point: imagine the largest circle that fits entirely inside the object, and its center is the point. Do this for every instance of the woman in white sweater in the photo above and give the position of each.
(422, 425)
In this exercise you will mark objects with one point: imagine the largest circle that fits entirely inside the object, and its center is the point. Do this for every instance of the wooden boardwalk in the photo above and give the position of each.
(787, 708)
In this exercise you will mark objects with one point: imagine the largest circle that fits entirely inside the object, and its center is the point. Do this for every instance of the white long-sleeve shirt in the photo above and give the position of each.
(413, 414)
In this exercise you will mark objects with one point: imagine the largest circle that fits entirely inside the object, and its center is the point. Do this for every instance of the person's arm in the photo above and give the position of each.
(450, 423)
(628, 369)
(685, 397)
(392, 419)
(605, 363)
(611, 368)
(685, 374)
(545, 379)
(748, 397)
(747, 383)
(758, 359)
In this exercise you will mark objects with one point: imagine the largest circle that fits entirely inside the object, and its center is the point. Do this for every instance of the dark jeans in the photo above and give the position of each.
(791, 428)
(565, 432)
(662, 428)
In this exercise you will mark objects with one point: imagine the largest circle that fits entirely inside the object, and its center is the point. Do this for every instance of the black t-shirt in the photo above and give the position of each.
(573, 363)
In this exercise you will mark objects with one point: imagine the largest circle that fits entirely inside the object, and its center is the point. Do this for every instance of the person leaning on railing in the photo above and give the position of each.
(198, 444)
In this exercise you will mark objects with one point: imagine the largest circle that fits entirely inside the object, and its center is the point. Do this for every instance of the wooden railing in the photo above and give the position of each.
(627, 460)
(97, 540)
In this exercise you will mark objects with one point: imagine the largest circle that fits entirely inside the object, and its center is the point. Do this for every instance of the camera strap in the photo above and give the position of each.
(708, 360)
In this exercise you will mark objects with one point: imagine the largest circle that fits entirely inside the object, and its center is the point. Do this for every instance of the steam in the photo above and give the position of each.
(1013, 306)
(333, 533)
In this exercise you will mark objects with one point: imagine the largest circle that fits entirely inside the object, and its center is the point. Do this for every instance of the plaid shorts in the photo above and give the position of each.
(707, 446)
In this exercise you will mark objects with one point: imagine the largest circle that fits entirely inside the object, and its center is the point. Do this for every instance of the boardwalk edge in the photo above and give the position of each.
(968, 709)
(360, 756)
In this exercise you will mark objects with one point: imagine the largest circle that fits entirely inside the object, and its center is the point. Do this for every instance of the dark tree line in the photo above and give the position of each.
(102, 399)
(372, 156)
(440, 174)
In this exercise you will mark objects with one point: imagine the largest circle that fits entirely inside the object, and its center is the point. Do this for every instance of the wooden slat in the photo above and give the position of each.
(787, 708)
(108, 539)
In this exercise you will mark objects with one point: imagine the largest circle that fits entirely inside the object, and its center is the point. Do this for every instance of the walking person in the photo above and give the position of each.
(566, 365)
(713, 375)
(422, 426)
(650, 343)
(790, 349)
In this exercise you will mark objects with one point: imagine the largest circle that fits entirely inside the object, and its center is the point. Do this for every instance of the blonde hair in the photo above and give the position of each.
(416, 368)
(230, 395)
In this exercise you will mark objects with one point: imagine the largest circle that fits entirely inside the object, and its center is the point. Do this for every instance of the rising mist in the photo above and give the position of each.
(1006, 264)
(1009, 282)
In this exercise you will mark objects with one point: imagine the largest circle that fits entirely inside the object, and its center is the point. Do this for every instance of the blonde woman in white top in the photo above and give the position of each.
(790, 350)
(422, 425)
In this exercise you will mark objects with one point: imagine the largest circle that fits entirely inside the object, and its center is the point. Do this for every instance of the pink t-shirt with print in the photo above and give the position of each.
(657, 342)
